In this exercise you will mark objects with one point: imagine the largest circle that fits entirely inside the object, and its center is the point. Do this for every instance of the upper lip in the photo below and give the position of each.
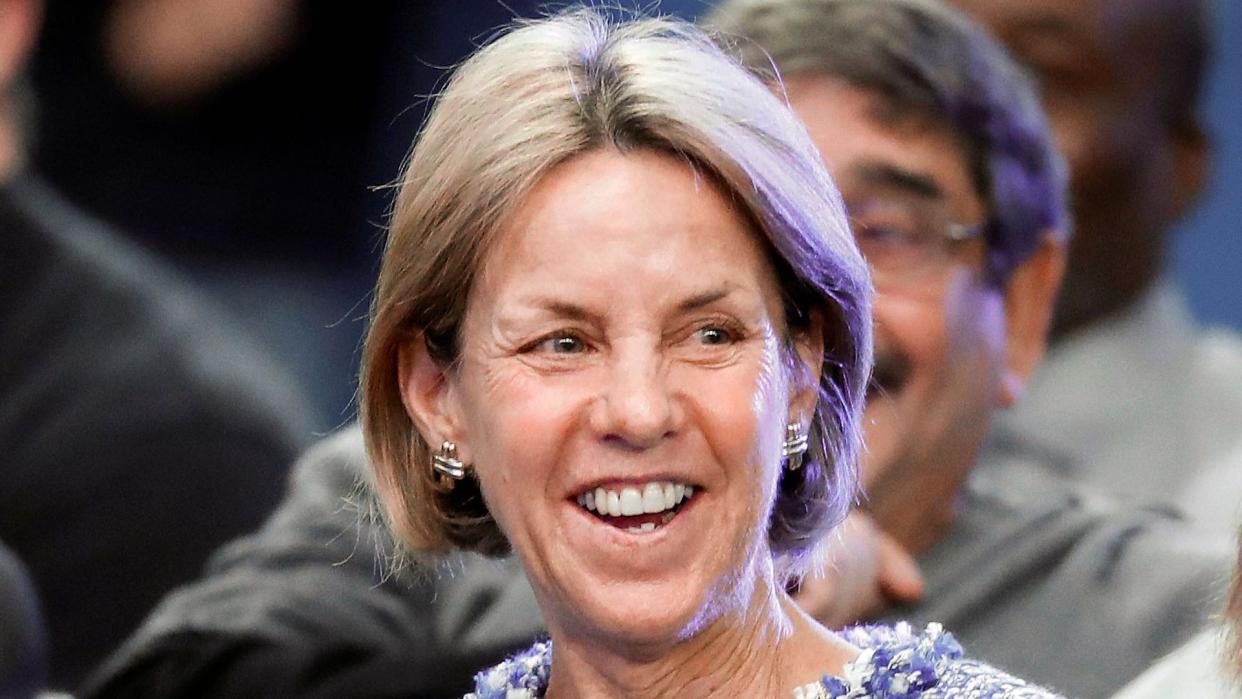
(618, 482)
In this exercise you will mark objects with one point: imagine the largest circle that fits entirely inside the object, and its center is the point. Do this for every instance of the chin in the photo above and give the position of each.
(645, 615)
(643, 589)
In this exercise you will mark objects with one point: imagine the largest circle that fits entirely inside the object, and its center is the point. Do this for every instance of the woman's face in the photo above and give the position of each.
(619, 348)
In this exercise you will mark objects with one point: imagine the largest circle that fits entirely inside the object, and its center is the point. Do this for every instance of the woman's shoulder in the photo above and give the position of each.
(899, 661)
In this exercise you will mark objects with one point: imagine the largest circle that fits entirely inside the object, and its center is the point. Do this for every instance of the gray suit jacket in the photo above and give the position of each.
(1050, 584)
(1064, 587)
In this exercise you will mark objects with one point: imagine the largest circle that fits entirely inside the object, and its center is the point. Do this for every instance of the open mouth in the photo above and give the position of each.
(637, 508)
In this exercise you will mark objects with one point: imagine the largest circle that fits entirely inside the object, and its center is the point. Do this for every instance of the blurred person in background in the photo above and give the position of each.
(1044, 575)
(1209, 666)
(231, 138)
(1134, 397)
(950, 174)
(139, 431)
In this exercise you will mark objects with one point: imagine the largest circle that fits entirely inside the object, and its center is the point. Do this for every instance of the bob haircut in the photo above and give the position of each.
(924, 60)
(540, 94)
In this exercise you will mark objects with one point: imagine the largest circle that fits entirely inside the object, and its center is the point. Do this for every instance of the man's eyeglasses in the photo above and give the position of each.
(908, 242)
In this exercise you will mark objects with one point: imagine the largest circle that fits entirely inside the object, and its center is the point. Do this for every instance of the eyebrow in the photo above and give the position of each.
(918, 184)
(705, 298)
(573, 311)
(562, 308)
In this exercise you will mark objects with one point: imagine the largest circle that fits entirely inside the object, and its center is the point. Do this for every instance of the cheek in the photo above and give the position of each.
(975, 351)
(742, 415)
(974, 320)
(913, 326)
(516, 424)
(944, 334)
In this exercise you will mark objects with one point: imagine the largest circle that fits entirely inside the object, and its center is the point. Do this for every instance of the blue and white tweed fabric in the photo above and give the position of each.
(896, 662)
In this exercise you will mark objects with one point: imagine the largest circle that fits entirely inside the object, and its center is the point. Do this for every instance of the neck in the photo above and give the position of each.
(766, 648)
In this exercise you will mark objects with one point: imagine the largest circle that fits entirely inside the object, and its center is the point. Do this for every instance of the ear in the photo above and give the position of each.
(1030, 295)
(429, 395)
(19, 24)
(809, 353)
(1192, 157)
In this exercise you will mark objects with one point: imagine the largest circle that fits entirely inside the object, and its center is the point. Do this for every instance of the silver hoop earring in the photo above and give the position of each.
(446, 463)
(796, 444)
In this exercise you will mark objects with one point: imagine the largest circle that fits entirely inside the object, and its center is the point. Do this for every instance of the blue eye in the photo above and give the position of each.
(562, 344)
(714, 336)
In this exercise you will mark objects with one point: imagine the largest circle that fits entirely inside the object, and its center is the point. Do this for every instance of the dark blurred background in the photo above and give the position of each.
(251, 162)
(248, 142)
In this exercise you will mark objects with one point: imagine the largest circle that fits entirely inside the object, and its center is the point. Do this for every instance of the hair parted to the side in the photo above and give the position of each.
(922, 59)
(548, 90)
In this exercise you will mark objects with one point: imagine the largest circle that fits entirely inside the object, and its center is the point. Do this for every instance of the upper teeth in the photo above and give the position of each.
(653, 497)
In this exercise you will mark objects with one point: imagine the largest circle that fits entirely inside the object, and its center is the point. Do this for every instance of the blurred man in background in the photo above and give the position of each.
(1134, 397)
(138, 431)
(947, 168)
(231, 138)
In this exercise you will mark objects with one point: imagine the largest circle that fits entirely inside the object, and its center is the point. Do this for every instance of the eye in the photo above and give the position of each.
(884, 224)
(561, 343)
(881, 234)
(714, 335)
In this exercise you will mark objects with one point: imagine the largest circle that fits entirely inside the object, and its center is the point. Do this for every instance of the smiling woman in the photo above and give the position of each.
(621, 328)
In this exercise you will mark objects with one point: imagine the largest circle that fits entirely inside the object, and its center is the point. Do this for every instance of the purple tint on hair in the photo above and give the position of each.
(1017, 169)
(812, 500)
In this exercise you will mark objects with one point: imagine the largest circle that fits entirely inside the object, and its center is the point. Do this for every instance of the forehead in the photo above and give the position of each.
(845, 123)
(1112, 28)
(603, 215)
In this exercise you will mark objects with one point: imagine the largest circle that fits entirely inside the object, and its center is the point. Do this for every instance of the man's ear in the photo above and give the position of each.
(429, 396)
(1030, 295)
(804, 384)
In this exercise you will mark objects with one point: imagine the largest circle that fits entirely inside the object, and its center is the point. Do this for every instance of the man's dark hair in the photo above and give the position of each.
(923, 60)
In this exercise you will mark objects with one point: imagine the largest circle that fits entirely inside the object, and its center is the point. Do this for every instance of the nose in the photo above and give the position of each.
(636, 408)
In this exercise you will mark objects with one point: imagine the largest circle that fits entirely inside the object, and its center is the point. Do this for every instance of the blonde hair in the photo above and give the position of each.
(540, 94)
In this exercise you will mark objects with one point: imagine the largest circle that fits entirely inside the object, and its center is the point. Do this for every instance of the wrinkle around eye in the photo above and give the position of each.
(738, 339)
(541, 353)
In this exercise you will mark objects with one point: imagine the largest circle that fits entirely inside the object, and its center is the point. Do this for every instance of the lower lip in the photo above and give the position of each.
(629, 539)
